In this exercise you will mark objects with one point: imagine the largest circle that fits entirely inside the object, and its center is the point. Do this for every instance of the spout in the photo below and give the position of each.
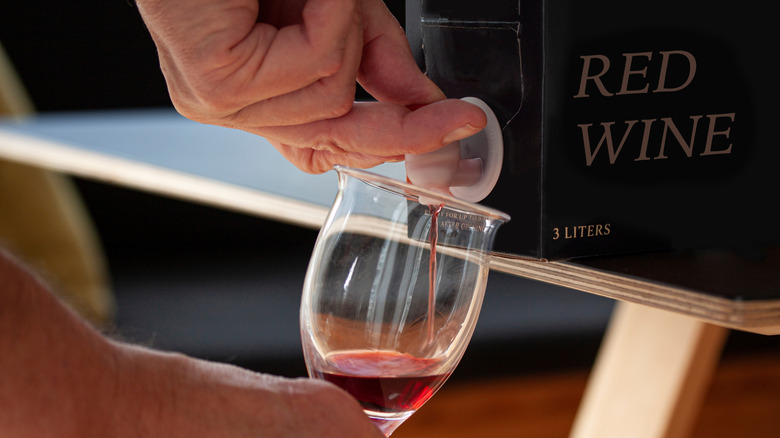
(467, 169)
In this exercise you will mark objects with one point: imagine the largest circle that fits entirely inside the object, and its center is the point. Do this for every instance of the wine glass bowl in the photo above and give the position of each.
(393, 292)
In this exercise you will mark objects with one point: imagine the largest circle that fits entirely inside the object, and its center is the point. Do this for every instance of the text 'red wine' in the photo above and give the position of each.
(384, 381)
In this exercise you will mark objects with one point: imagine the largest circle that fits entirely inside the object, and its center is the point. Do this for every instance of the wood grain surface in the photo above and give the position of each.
(743, 401)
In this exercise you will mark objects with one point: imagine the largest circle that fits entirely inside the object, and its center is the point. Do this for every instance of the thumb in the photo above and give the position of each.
(388, 70)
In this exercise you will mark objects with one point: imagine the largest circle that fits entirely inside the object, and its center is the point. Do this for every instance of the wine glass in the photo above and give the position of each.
(393, 291)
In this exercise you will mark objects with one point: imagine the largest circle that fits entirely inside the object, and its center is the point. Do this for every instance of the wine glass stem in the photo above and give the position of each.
(388, 426)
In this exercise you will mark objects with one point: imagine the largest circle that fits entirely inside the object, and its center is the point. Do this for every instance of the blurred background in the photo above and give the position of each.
(214, 283)
(225, 286)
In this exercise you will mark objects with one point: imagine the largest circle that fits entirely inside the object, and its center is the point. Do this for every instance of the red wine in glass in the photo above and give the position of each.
(389, 385)
(364, 296)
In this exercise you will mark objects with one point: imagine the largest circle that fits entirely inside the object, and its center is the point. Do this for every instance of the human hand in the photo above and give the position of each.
(174, 396)
(287, 69)
(61, 378)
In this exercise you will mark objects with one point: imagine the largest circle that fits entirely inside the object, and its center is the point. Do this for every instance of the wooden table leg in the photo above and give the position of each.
(651, 375)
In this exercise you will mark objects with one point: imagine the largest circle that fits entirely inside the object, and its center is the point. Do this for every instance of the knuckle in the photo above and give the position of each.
(330, 65)
(326, 143)
(201, 106)
(215, 102)
(308, 167)
(337, 105)
(236, 119)
(319, 162)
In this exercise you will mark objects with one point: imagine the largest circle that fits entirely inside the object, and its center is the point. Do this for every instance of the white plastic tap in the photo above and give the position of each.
(467, 169)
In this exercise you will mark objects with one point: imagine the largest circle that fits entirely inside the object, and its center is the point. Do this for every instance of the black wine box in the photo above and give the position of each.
(628, 127)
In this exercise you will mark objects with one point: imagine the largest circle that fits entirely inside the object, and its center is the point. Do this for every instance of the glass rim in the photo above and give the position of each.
(419, 193)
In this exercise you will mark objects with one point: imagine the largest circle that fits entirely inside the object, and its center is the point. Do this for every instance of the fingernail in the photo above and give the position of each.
(460, 133)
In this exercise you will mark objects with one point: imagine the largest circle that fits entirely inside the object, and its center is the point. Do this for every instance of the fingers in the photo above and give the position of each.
(224, 67)
(388, 70)
(320, 161)
(291, 78)
(326, 44)
(375, 132)
(295, 102)
(172, 396)
(317, 399)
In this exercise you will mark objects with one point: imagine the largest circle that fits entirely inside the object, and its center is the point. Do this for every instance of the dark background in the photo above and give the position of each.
(82, 54)
(88, 54)
(222, 285)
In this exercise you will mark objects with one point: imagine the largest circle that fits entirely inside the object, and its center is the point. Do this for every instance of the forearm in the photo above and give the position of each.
(61, 378)
(53, 367)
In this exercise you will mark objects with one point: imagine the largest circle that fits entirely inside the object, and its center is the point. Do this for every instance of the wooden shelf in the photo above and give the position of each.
(718, 287)
(161, 152)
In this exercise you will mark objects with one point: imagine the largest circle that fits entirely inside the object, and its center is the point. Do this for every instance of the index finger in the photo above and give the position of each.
(380, 129)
